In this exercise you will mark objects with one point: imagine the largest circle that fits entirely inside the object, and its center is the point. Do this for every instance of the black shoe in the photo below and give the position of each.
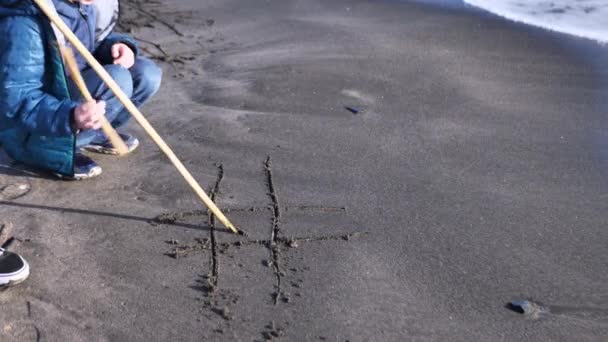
(84, 168)
(13, 269)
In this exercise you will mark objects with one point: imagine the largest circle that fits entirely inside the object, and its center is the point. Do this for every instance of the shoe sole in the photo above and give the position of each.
(96, 171)
(110, 151)
(12, 283)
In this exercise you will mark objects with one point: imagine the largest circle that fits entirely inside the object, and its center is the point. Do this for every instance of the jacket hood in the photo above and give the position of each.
(10, 8)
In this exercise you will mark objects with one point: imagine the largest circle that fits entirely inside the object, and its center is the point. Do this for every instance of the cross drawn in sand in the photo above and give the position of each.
(275, 243)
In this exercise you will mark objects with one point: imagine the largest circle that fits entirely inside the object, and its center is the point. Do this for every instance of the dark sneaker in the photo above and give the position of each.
(84, 168)
(106, 147)
(13, 269)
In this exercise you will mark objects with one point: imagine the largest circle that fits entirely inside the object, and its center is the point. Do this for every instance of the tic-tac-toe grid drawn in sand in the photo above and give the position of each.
(276, 244)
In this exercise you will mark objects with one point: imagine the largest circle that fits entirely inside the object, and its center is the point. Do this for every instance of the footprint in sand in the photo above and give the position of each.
(14, 191)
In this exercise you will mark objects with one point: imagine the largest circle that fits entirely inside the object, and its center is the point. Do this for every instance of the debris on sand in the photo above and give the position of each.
(164, 219)
(208, 288)
(528, 308)
(272, 332)
(348, 237)
(172, 218)
(224, 312)
(207, 284)
(353, 110)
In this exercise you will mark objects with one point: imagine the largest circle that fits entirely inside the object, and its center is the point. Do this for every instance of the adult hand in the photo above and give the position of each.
(89, 114)
(123, 55)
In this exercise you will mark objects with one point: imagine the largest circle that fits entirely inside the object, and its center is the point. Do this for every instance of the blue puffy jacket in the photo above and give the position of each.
(35, 103)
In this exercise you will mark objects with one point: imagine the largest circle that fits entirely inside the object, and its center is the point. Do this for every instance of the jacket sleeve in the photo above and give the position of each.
(22, 80)
(103, 53)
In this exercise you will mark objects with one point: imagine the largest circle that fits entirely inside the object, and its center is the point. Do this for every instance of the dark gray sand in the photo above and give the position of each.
(469, 170)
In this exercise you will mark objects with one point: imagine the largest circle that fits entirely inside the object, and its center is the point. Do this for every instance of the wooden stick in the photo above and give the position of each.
(126, 101)
(108, 130)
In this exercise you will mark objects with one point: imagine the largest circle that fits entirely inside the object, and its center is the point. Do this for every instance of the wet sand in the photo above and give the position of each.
(469, 170)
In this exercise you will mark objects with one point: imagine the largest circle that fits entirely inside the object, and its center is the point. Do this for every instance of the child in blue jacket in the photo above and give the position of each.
(43, 121)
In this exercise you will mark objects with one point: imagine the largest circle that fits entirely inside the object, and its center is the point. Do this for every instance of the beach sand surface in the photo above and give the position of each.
(469, 170)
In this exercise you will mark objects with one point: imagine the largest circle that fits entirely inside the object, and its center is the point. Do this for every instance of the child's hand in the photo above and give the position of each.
(123, 55)
(89, 114)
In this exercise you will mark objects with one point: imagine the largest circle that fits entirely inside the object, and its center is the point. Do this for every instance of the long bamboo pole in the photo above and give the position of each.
(108, 130)
(139, 117)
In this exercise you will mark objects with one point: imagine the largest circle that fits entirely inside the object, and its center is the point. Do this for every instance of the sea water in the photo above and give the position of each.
(582, 18)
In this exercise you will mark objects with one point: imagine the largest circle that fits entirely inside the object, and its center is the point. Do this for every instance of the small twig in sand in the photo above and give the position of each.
(156, 45)
(155, 17)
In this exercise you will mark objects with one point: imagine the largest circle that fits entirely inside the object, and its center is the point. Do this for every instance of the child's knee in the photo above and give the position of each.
(147, 76)
(122, 76)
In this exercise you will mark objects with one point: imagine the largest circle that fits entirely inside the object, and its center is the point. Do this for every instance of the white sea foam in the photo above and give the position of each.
(583, 18)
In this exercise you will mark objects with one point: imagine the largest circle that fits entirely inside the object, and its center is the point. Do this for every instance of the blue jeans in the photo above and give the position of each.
(139, 82)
